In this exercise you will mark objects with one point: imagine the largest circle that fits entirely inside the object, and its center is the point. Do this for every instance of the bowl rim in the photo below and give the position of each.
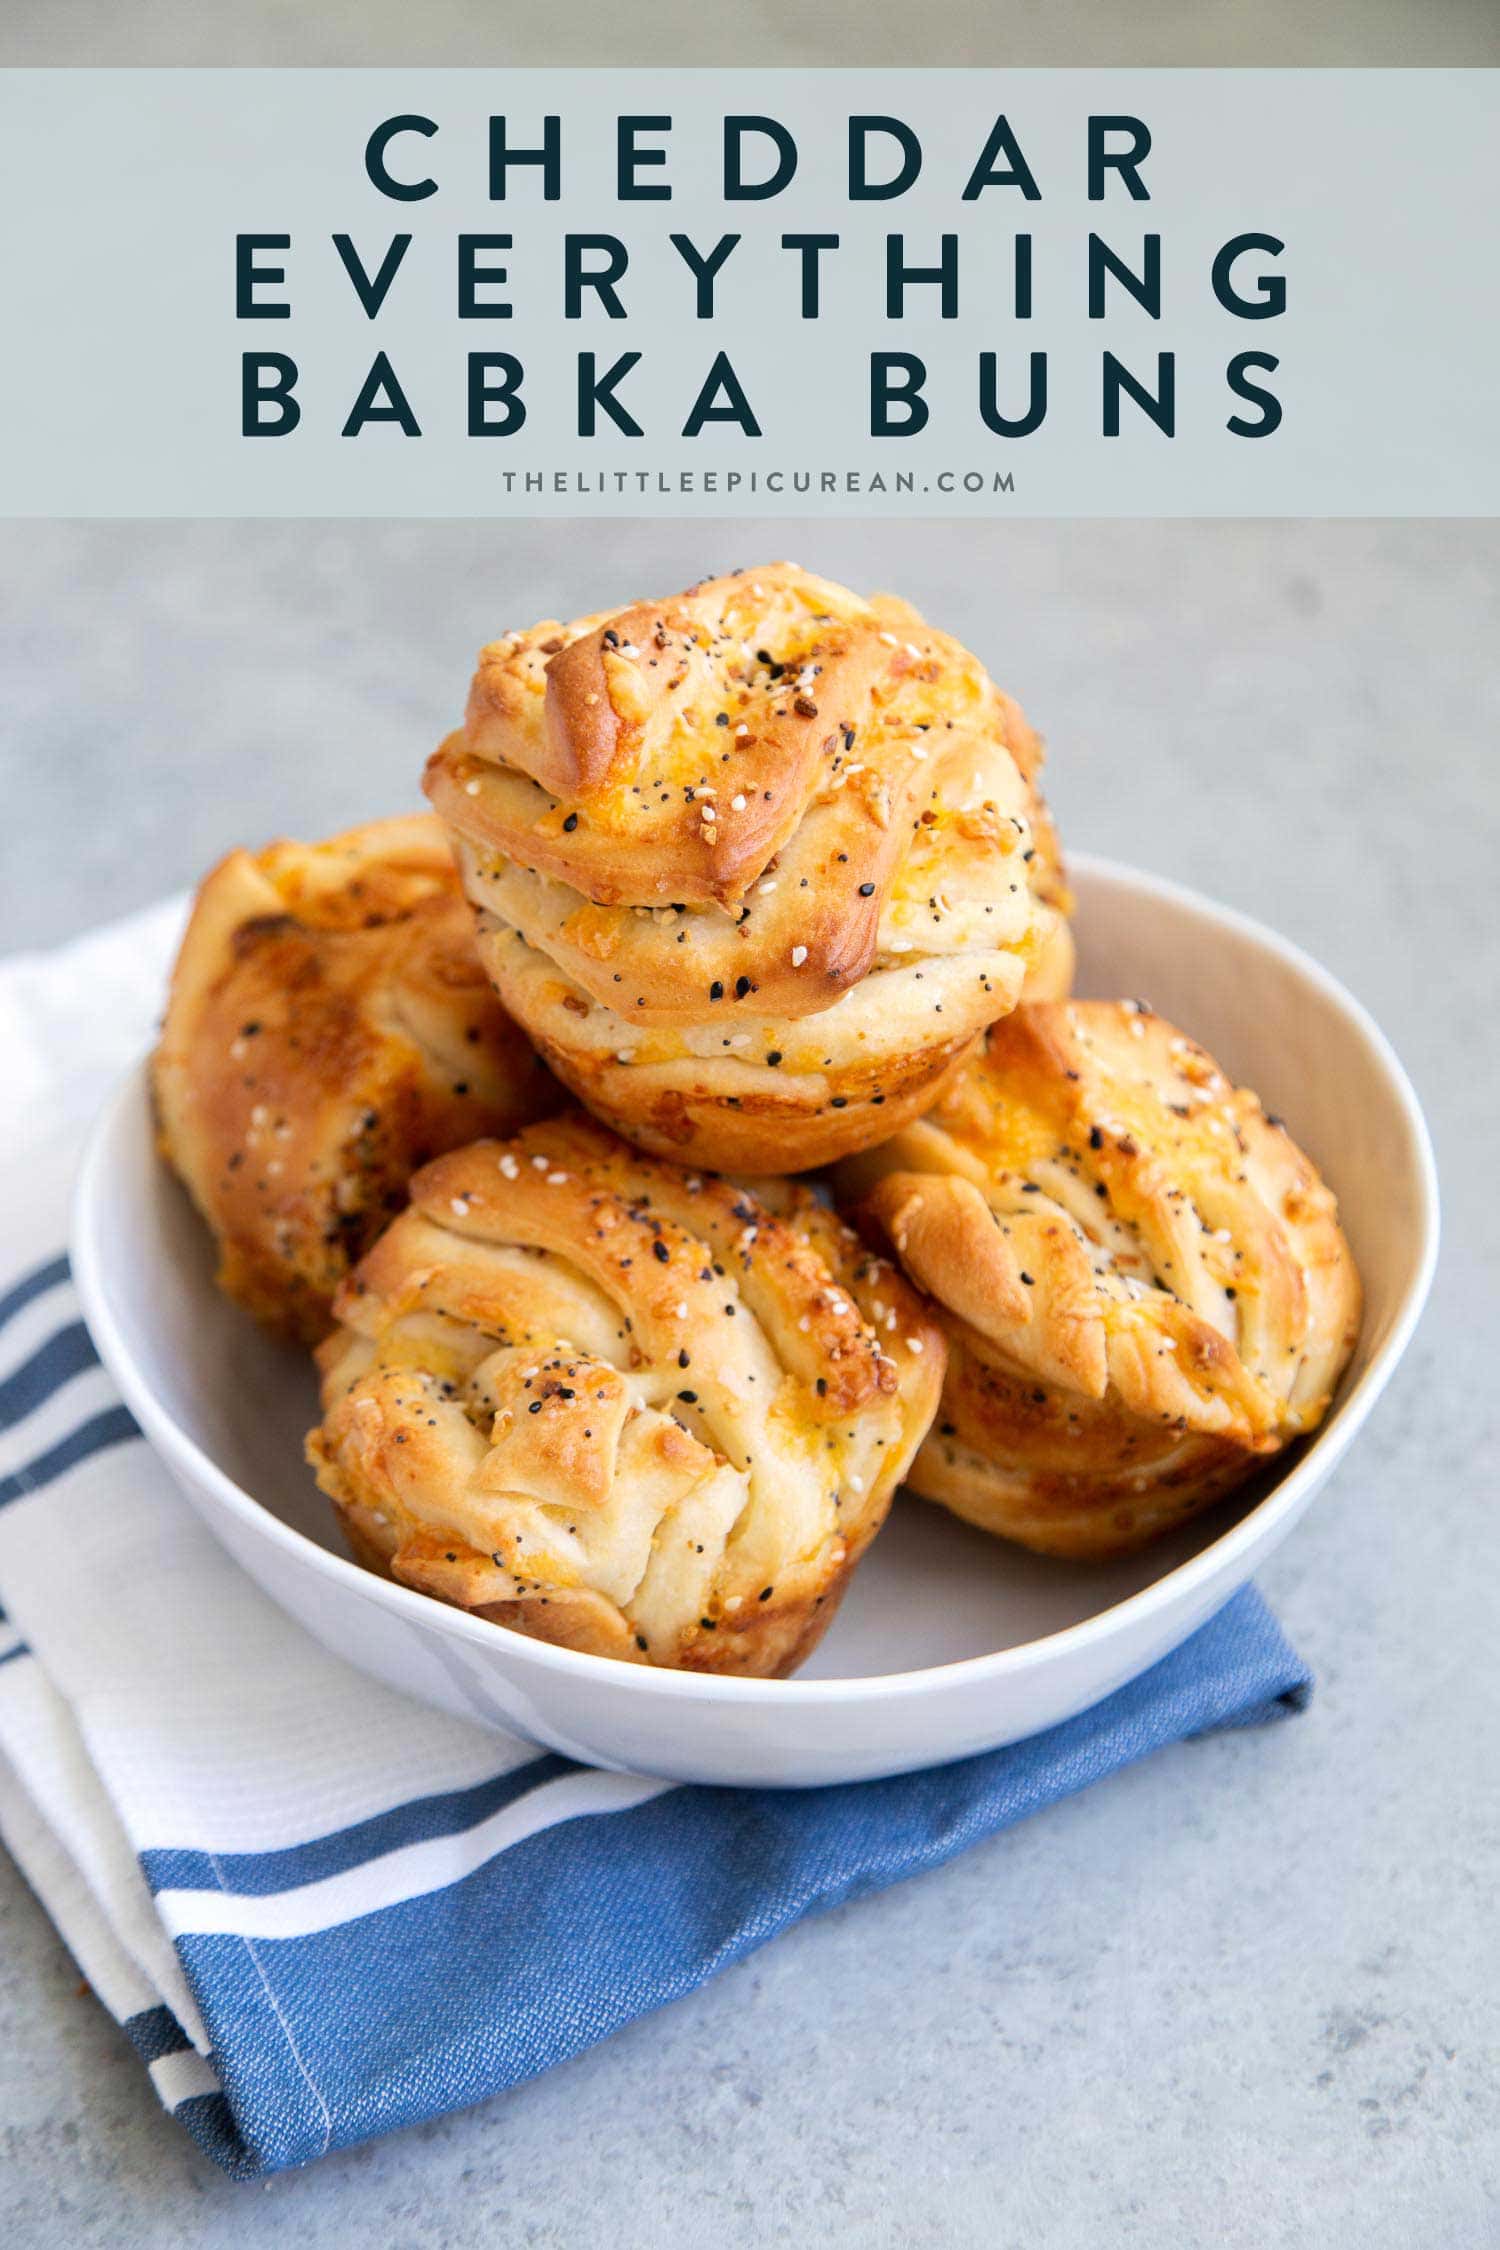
(1178, 1586)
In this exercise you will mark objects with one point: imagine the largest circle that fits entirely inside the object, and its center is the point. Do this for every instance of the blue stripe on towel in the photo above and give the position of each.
(65, 1354)
(425, 2006)
(111, 1427)
(32, 1285)
(257, 1874)
(155, 2032)
(210, 2120)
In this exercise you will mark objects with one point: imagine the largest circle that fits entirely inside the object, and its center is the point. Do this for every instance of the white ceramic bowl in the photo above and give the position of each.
(948, 1643)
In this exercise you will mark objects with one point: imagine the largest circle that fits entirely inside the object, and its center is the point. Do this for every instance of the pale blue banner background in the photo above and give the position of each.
(123, 194)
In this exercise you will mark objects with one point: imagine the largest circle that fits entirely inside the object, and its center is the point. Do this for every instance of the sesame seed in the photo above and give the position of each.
(914, 1343)
(799, 955)
(737, 804)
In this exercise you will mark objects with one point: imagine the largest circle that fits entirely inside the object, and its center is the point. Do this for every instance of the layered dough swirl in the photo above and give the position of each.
(328, 1028)
(622, 1407)
(1143, 1280)
(753, 865)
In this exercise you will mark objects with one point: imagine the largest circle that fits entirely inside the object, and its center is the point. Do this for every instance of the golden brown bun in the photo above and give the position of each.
(328, 1029)
(621, 1407)
(1143, 1279)
(753, 865)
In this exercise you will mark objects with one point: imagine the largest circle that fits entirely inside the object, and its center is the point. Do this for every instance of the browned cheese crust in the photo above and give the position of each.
(328, 1029)
(621, 1407)
(753, 865)
(1143, 1279)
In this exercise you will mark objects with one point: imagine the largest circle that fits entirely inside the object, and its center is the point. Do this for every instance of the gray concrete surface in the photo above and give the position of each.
(1243, 1995)
(874, 33)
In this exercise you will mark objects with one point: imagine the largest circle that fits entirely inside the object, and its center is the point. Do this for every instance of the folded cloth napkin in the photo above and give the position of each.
(318, 1910)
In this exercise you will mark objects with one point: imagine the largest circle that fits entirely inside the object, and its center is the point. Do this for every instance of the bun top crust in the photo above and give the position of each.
(625, 1407)
(328, 1028)
(843, 783)
(1099, 1208)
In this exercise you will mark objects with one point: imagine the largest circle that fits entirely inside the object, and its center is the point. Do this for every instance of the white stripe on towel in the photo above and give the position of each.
(83, 1924)
(178, 2077)
(63, 1797)
(27, 1330)
(407, 1873)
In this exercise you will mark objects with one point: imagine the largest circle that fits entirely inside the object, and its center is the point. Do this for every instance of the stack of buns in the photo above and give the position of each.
(761, 877)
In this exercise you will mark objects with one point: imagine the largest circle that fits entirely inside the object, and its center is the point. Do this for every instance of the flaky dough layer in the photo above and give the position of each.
(624, 1408)
(1143, 1279)
(328, 1028)
(696, 831)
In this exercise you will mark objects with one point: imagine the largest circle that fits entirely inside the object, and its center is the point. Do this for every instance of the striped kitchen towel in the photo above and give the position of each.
(318, 1910)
